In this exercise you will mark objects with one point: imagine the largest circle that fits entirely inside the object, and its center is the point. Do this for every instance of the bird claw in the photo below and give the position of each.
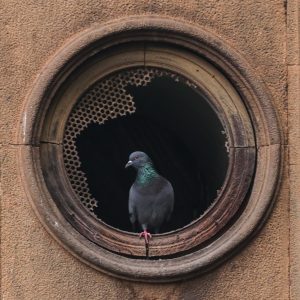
(146, 235)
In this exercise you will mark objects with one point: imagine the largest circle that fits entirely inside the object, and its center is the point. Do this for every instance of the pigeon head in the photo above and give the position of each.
(138, 159)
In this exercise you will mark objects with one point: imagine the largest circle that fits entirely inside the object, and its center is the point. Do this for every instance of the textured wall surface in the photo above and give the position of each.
(293, 65)
(33, 265)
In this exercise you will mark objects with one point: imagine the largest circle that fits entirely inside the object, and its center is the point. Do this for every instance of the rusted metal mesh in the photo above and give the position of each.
(107, 99)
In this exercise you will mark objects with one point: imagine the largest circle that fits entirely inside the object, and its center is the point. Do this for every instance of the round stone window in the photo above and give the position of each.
(159, 112)
(182, 97)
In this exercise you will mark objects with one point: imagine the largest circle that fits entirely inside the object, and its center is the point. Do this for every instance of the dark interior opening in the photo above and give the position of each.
(179, 130)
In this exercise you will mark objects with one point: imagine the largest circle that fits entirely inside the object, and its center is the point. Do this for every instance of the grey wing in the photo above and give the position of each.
(169, 205)
(132, 206)
(164, 204)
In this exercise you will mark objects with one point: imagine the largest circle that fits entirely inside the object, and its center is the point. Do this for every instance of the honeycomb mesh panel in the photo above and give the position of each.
(107, 99)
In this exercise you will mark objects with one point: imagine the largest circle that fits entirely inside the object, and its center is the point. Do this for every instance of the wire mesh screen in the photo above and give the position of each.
(107, 99)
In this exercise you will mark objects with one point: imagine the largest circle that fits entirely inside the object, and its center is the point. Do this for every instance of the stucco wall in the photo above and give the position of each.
(293, 65)
(34, 266)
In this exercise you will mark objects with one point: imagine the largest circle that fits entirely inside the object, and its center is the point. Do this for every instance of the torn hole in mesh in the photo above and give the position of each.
(155, 111)
(107, 99)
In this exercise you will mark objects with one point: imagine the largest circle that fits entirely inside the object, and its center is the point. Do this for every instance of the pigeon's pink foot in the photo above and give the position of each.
(146, 235)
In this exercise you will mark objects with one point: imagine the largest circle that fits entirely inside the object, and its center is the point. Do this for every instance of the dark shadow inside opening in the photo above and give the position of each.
(178, 129)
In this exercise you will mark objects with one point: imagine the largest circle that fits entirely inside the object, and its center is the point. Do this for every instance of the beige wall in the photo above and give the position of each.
(33, 265)
(293, 65)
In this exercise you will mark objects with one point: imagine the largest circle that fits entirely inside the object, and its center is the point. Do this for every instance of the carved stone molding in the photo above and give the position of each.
(233, 89)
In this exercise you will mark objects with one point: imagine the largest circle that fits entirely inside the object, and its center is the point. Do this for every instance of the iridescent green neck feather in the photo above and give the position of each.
(145, 174)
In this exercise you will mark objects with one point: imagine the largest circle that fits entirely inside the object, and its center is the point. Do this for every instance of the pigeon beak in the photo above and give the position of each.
(128, 164)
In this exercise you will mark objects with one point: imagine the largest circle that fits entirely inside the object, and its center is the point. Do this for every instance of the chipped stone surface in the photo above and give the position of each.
(33, 265)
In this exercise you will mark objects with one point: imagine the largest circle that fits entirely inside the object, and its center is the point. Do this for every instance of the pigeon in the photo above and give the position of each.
(151, 196)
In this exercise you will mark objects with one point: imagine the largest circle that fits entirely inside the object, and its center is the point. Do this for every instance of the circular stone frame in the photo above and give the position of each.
(41, 133)
(219, 94)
